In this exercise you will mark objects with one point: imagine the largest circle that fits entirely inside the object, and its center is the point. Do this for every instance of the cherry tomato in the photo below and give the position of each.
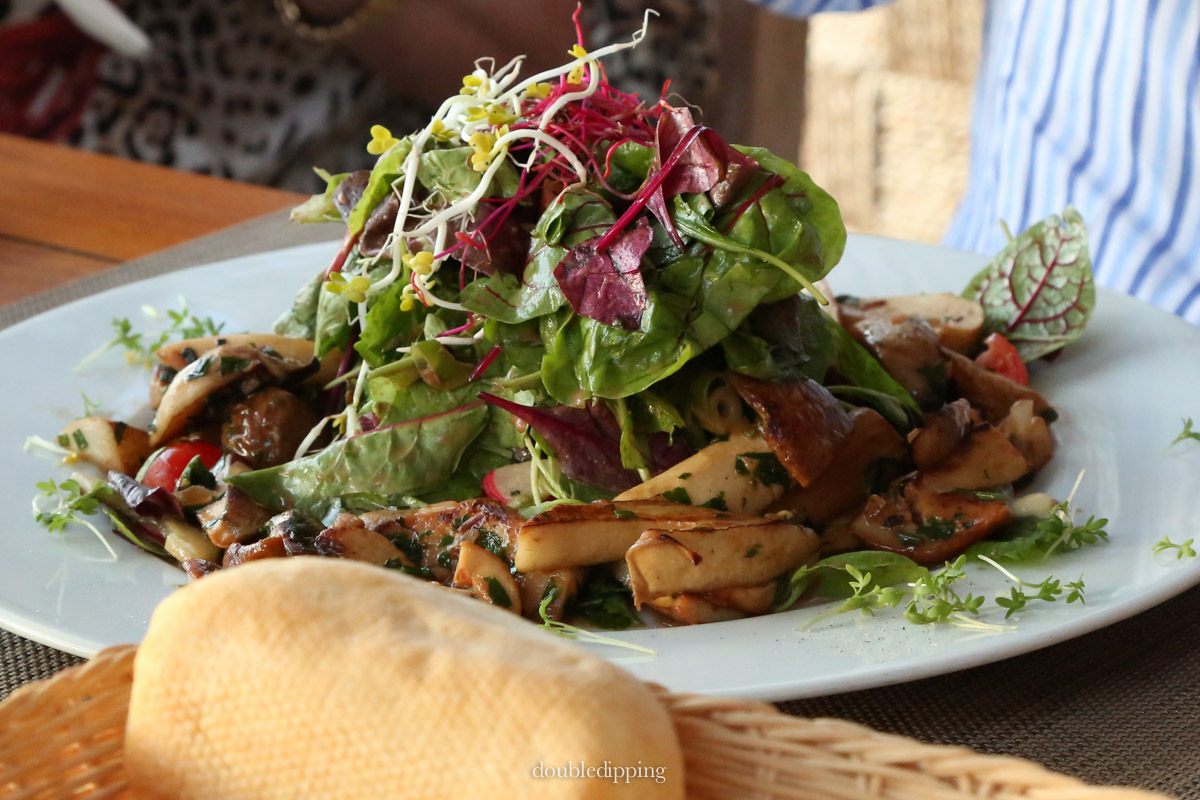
(1001, 357)
(164, 471)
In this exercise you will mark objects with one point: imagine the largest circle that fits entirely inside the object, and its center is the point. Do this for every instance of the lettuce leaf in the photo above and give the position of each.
(409, 458)
(1039, 291)
(320, 207)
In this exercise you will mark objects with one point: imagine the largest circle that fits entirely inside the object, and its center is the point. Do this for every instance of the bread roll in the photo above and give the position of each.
(321, 678)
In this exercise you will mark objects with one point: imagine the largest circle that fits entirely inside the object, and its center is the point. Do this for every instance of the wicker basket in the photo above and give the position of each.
(63, 737)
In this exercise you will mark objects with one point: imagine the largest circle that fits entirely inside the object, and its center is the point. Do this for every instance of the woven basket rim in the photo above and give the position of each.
(64, 736)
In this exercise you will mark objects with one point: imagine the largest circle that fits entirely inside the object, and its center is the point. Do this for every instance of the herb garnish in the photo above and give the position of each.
(1185, 434)
(139, 347)
(497, 594)
(1184, 550)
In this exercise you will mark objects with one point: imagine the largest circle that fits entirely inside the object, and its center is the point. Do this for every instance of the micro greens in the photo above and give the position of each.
(936, 600)
(569, 631)
(1186, 434)
(61, 504)
(1049, 590)
(90, 407)
(1182, 551)
(139, 348)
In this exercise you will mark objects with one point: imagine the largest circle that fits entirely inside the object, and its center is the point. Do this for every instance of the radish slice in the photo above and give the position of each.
(509, 484)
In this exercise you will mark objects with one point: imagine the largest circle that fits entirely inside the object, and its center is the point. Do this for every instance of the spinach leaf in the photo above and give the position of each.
(803, 222)
(401, 397)
(410, 458)
(630, 162)
(782, 342)
(387, 326)
(1039, 291)
(320, 207)
(829, 578)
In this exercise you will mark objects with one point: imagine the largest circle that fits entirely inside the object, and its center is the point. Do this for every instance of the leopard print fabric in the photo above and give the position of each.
(229, 91)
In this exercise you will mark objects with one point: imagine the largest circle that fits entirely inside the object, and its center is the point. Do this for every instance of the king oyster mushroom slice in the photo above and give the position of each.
(197, 382)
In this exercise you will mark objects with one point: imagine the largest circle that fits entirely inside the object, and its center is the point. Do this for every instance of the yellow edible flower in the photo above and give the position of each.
(483, 143)
(420, 263)
(576, 75)
(381, 140)
(354, 290)
(539, 91)
(439, 131)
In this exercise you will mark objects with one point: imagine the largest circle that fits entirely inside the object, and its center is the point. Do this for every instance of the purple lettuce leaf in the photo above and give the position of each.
(607, 285)
(707, 164)
(143, 500)
(586, 442)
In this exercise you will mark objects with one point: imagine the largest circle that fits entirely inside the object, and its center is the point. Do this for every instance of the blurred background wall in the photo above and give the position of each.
(887, 101)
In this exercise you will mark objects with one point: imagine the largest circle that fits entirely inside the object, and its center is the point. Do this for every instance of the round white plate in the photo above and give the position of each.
(1121, 391)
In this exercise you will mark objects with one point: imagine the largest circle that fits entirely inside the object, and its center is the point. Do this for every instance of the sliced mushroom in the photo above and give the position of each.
(908, 349)
(991, 393)
(271, 547)
(955, 319)
(193, 387)
(694, 609)
(1029, 433)
(487, 576)
(535, 585)
(579, 535)
(359, 544)
(802, 422)
(927, 526)
(234, 517)
(986, 459)
(868, 454)
(943, 432)
(727, 475)
(670, 562)
(293, 354)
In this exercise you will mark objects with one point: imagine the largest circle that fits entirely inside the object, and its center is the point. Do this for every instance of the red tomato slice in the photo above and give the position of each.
(1001, 357)
(168, 465)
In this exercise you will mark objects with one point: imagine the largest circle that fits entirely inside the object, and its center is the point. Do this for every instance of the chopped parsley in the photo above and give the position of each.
(678, 495)
(717, 502)
(491, 541)
(81, 441)
(624, 513)
(753, 551)
(766, 470)
(196, 474)
(232, 364)
(497, 594)
(201, 368)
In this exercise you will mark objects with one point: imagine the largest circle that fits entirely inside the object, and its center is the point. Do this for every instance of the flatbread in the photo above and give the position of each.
(323, 678)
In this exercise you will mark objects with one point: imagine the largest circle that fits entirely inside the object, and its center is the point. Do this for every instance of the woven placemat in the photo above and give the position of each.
(1119, 706)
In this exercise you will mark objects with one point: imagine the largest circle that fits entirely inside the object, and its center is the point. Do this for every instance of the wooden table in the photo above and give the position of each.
(65, 214)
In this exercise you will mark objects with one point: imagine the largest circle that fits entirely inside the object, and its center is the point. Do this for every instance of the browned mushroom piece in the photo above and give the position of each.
(1029, 433)
(802, 422)
(267, 427)
(197, 568)
(943, 432)
(955, 319)
(233, 517)
(927, 526)
(910, 351)
(985, 459)
(991, 393)
(271, 547)
(866, 456)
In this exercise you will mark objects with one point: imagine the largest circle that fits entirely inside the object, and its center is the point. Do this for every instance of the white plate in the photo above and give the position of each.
(1121, 392)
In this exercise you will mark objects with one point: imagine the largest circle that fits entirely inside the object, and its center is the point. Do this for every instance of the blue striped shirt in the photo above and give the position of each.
(1091, 103)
